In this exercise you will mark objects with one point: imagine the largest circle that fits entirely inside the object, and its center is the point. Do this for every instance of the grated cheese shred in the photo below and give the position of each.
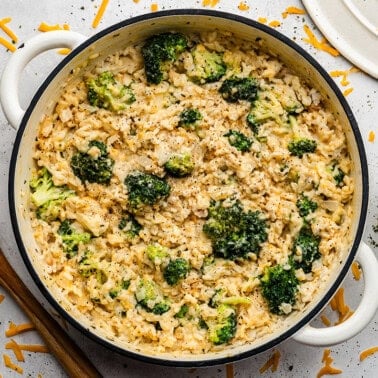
(368, 352)
(371, 137)
(100, 13)
(356, 271)
(348, 91)
(320, 45)
(154, 7)
(327, 368)
(243, 6)
(338, 304)
(325, 320)
(262, 20)
(11, 365)
(7, 45)
(7, 30)
(64, 51)
(272, 362)
(14, 329)
(44, 27)
(1, 297)
(274, 23)
(16, 350)
(292, 10)
(211, 3)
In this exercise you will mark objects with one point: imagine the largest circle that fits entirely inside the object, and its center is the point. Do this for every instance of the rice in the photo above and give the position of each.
(268, 178)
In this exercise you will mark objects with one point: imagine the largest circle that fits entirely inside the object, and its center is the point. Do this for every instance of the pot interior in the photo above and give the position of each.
(130, 32)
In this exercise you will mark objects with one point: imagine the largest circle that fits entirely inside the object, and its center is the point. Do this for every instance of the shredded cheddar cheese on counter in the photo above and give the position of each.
(344, 75)
(211, 3)
(348, 91)
(327, 368)
(1, 297)
(154, 7)
(274, 23)
(230, 371)
(64, 51)
(325, 320)
(262, 20)
(16, 350)
(7, 30)
(11, 365)
(371, 137)
(16, 329)
(43, 27)
(100, 13)
(243, 6)
(8, 45)
(271, 363)
(356, 271)
(368, 352)
(320, 45)
(35, 348)
(338, 304)
(292, 10)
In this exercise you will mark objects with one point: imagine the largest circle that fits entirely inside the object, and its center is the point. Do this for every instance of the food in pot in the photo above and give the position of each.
(190, 193)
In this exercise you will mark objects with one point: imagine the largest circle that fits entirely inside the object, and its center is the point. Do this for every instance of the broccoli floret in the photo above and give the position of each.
(157, 253)
(96, 167)
(266, 108)
(306, 249)
(338, 175)
(234, 233)
(176, 270)
(239, 88)
(279, 287)
(71, 238)
(189, 119)
(145, 189)
(302, 146)
(182, 312)
(159, 51)
(130, 226)
(238, 140)
(123, 285)
(223, 329)
(149, 297)
(105, 92)
(208, 66)
(89, 267)
(306, 206)
(179, 165)
(47, 197)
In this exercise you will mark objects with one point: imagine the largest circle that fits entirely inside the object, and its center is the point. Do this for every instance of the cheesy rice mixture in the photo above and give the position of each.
(169, 272)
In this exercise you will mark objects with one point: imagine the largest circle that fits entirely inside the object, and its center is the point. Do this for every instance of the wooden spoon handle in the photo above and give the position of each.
(73, 360)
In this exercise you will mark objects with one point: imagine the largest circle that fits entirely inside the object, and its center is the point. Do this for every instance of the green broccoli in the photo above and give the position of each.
(157, 253)
(239, 88)
(279, 287)
(338, 175)
(179, 165)
(105, 92)
(89, 267)
(306, 206)
(238, 140)
(176, 270)
(189, 119)
(47, 197)
(159, 52)
(71, 238)
(93, 169)
(219, 298)
(182, 312)
(208, 66)
(149, 297)
(145, 189)
(130, 226)
(307, 244)
(234, 233)
(123, 285)
(299, 147)
(223, 328)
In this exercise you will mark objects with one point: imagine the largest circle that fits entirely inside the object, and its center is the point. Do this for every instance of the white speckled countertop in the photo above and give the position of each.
(296, 360)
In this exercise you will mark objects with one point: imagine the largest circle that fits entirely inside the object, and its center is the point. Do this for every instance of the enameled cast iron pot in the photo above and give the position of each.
(118, 37)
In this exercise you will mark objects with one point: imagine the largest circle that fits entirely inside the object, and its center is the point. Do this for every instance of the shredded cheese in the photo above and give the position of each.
(154, 7)
(16, 350)
(356, 271)
(344, 75)
(371, 137)
(292, 10)
(320, 45)
(64, 51)
(272, 363)
(274, 23)
(35, 348)
(100, 13)
(338, 304)
(211, 3)
(368, 352)
(230, 371)
(11, 365)
(8, 45)
(1, 297)
(243, 6)
(262, 20)
(327, 368)
(16, 329)
(325, 320)
(7, 30)
(348, 91)
(43, 27)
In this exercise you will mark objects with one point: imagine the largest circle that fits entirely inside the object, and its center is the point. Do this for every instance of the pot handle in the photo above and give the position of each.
(361, 317)
(18, 61)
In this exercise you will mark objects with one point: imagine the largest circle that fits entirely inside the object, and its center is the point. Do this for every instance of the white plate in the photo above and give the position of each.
(351, 26)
